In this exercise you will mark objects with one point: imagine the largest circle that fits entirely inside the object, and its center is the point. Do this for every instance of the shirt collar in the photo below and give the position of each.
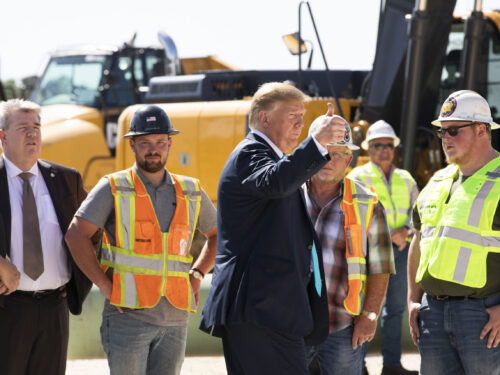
(166, 178)
(14, 171)
(271, 143)
(310, 199)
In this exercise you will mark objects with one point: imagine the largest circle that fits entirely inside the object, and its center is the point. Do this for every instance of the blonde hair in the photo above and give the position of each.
(270, 93)
(11, 106)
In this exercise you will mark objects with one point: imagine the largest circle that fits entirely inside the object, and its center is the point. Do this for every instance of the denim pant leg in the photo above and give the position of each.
(167, 351)
(134, 347)
(449, 341)
(393, 309)
(471, 317)
(336, 356)
(437, 354)
(126, 343)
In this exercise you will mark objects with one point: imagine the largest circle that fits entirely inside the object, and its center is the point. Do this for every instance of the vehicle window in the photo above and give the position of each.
(494, 71)
(70, 79)
(155, 65)
(138, 70)
(450, 76)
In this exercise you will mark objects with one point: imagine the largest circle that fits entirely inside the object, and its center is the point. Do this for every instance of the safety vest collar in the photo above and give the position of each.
(394, 193)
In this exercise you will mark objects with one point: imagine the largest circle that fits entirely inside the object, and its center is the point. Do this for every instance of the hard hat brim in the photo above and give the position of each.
(350, 146)
(492, 124)
(365, 144)
(134, 134)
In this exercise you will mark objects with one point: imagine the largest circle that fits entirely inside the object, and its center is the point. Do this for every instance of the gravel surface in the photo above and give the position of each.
(216, 366)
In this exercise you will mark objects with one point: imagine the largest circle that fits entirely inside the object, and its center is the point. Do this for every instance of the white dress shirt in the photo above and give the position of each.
(57, 271)
(322, 149)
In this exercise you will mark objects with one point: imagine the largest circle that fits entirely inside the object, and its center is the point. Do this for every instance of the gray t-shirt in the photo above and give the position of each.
(98, 208)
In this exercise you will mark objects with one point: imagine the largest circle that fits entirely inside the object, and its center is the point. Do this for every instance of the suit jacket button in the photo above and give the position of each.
(310, 247)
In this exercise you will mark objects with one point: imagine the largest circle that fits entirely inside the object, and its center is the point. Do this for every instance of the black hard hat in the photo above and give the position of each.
(150, 119)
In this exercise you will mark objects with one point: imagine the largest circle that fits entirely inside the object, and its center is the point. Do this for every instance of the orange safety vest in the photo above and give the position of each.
(146, 262)
(357, 204)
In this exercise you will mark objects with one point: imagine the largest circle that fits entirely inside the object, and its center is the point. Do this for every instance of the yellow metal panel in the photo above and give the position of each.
(53, 115)
(222, 127)
(195, 64)
(494, 16)
(74, 143)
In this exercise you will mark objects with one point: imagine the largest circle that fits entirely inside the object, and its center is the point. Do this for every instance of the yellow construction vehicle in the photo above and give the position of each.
(82, 129)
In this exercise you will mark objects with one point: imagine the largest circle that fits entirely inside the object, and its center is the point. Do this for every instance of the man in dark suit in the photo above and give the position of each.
(37, 202)
(265, 300)
(9, 275)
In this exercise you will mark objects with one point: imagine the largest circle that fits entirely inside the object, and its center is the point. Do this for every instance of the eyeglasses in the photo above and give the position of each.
(339, 155)
(453, 131)
(383, 146)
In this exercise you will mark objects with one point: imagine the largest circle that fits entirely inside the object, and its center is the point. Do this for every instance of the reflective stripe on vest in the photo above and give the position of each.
(146, 262)
(396, 201)
(357, 204)
(457, 236)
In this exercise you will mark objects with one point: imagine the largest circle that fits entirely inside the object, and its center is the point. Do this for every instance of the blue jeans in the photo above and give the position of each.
(336, 356)
(449, 342)
(393, 309)
(138, 348)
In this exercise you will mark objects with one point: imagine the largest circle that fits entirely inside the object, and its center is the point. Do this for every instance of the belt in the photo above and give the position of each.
(450, 298)
(37, 294)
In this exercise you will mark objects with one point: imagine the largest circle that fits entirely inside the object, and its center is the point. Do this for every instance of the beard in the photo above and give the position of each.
(151, 166)
(332, 179)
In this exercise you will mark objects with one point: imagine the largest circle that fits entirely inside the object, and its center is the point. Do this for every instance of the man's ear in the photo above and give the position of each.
(263, 120)
(348, 160)
(482, 130)
(131, 143)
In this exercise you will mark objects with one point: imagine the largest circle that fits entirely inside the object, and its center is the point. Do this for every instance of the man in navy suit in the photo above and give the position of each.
(265, 301)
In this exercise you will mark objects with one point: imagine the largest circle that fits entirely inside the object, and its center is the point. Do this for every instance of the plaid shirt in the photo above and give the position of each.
(329, 224)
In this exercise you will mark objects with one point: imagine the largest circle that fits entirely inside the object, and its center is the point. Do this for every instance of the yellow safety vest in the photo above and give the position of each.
(357, 204)
(146, 262)
(457, 236)
(396, 201)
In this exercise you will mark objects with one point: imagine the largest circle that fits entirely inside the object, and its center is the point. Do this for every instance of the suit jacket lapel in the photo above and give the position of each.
(52, 180)
(5, 204)
(257, 138)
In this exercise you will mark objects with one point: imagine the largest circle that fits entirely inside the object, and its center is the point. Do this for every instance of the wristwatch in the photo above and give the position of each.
(196, 273)
(371, 315)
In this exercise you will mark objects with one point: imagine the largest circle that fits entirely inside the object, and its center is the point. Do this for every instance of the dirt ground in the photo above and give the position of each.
(216, 366)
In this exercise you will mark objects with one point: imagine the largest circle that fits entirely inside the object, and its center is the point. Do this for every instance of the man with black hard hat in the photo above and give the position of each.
(145, 270)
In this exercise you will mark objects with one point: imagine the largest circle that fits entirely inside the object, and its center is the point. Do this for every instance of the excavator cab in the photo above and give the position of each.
(99, 77)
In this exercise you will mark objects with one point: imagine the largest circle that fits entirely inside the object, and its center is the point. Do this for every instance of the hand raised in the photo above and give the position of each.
(329, 128)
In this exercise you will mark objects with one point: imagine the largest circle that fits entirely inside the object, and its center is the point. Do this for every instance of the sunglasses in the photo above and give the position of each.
(453, 131)
(383, 146)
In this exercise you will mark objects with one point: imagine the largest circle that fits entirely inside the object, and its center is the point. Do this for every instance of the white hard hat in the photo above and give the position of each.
(347, 141)
(465, 105)
(379, 129)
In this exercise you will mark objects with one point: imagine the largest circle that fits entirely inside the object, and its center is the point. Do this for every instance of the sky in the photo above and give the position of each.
(246, 34)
